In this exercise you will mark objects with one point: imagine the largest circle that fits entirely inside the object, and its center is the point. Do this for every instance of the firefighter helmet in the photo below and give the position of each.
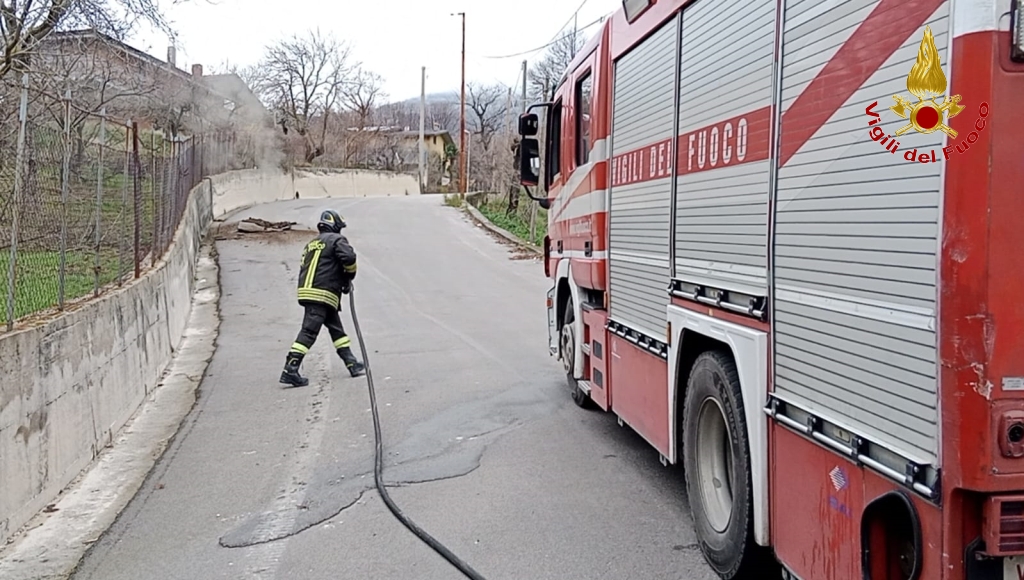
(330, 221)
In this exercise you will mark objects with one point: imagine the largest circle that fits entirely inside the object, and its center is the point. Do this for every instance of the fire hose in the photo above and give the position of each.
(379, 461)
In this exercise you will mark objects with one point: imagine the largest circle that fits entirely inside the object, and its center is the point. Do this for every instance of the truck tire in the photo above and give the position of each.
(716, 461)
(567, 346)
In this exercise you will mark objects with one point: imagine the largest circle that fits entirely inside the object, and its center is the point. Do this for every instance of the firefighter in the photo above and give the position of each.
(326, 272)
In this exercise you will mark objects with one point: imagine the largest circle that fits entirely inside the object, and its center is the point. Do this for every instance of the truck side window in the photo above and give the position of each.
(583, 106)
(553, 153)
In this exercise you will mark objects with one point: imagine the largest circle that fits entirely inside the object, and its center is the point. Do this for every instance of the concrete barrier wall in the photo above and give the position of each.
(67, 386)
(241, 189)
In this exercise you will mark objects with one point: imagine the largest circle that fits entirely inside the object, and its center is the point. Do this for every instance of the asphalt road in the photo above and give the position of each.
(484, 446)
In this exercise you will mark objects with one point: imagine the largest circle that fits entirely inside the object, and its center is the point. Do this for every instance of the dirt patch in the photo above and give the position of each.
(515, 251)
(223, 231)
(521, 254)
(253, 225)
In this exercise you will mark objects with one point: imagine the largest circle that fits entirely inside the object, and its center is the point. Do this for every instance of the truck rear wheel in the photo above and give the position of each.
(716, 460)
(567, 345)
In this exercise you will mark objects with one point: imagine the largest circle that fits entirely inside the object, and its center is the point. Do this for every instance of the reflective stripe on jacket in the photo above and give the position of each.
(328, 264)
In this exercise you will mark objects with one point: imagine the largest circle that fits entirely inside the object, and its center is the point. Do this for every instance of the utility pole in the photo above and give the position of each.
(574, 32)
(508, 112)
(423, 116)
(462, 116)
(524, 88)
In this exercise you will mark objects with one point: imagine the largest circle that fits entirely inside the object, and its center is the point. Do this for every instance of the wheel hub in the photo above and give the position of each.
(568, 348)
(714, 464)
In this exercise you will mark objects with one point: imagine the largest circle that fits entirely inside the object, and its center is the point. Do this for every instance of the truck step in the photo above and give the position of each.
(584, 386)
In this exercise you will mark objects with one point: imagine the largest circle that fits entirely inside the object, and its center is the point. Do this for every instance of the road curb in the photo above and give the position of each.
(482, 220)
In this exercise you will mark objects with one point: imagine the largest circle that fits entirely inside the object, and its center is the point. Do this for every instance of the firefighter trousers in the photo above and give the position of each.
(318, 315)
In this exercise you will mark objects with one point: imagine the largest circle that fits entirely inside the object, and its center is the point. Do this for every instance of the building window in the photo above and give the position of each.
(583, 115)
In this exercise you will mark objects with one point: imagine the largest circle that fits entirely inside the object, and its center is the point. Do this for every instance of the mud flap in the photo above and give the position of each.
(552, 324)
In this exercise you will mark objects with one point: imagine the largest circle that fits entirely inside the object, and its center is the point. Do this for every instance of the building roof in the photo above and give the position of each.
(90, 33)
(232, 85)
(403, 131)
(426, 133)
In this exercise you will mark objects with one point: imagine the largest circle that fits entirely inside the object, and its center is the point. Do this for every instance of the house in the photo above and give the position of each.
(238, 94)
(397, 149)
(105, 73)
(436, 141)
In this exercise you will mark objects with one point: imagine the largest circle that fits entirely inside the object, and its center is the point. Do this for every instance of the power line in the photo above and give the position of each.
(554, 38)
(518, 76)
(543, 46)
(584, 3)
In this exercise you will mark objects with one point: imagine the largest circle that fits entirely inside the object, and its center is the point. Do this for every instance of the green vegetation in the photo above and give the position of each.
(37, 278)
(452, 200)
(517, 223)
(43, 215)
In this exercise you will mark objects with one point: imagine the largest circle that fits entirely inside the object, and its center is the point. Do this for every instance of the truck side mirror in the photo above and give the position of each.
(528, 124)
(529, 162)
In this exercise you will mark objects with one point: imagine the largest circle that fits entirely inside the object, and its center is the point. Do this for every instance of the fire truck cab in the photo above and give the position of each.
(784, 247)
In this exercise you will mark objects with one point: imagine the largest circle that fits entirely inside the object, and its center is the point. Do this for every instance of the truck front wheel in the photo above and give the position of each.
(567, 345)
(717, 466)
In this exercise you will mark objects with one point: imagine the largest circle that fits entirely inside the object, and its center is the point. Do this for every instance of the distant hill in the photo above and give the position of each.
(445, 97)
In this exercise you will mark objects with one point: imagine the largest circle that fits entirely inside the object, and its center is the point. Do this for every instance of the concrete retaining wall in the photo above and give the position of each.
(70, 384)
(241, 189)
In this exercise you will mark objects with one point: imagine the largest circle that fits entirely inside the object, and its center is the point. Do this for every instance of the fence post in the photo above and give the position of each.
(137, 193)
(65, 184)
(18, 177)
(99, 200)
(124, 206)
(175, 179)
(166, 206)
(153, 180)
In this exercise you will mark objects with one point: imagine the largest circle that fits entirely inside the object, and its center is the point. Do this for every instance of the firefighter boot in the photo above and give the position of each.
(355, 368)
(290, 375)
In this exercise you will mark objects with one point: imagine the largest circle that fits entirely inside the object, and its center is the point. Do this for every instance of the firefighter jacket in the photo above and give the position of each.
(328, 266)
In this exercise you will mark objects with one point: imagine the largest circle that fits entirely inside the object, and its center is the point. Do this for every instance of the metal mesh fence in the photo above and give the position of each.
(85, 210)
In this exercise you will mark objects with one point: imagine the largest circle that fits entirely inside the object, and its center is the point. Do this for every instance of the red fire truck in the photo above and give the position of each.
(785, 247)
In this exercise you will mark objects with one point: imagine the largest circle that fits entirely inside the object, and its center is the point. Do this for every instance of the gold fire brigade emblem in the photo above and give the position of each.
(926, 81)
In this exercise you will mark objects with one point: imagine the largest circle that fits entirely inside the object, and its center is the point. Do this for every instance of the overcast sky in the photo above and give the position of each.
(392, 37)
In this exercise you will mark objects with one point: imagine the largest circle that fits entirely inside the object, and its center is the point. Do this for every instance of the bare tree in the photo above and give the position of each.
(544, 75)
(302, 79)
(98, 74)
(360, 98)
(486, 108)
(174, 108)
(25, 23)
(444, 115)
(363, 94)
(403, 114)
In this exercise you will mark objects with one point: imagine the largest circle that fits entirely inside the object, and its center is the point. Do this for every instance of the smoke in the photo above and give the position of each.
(242, 129)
